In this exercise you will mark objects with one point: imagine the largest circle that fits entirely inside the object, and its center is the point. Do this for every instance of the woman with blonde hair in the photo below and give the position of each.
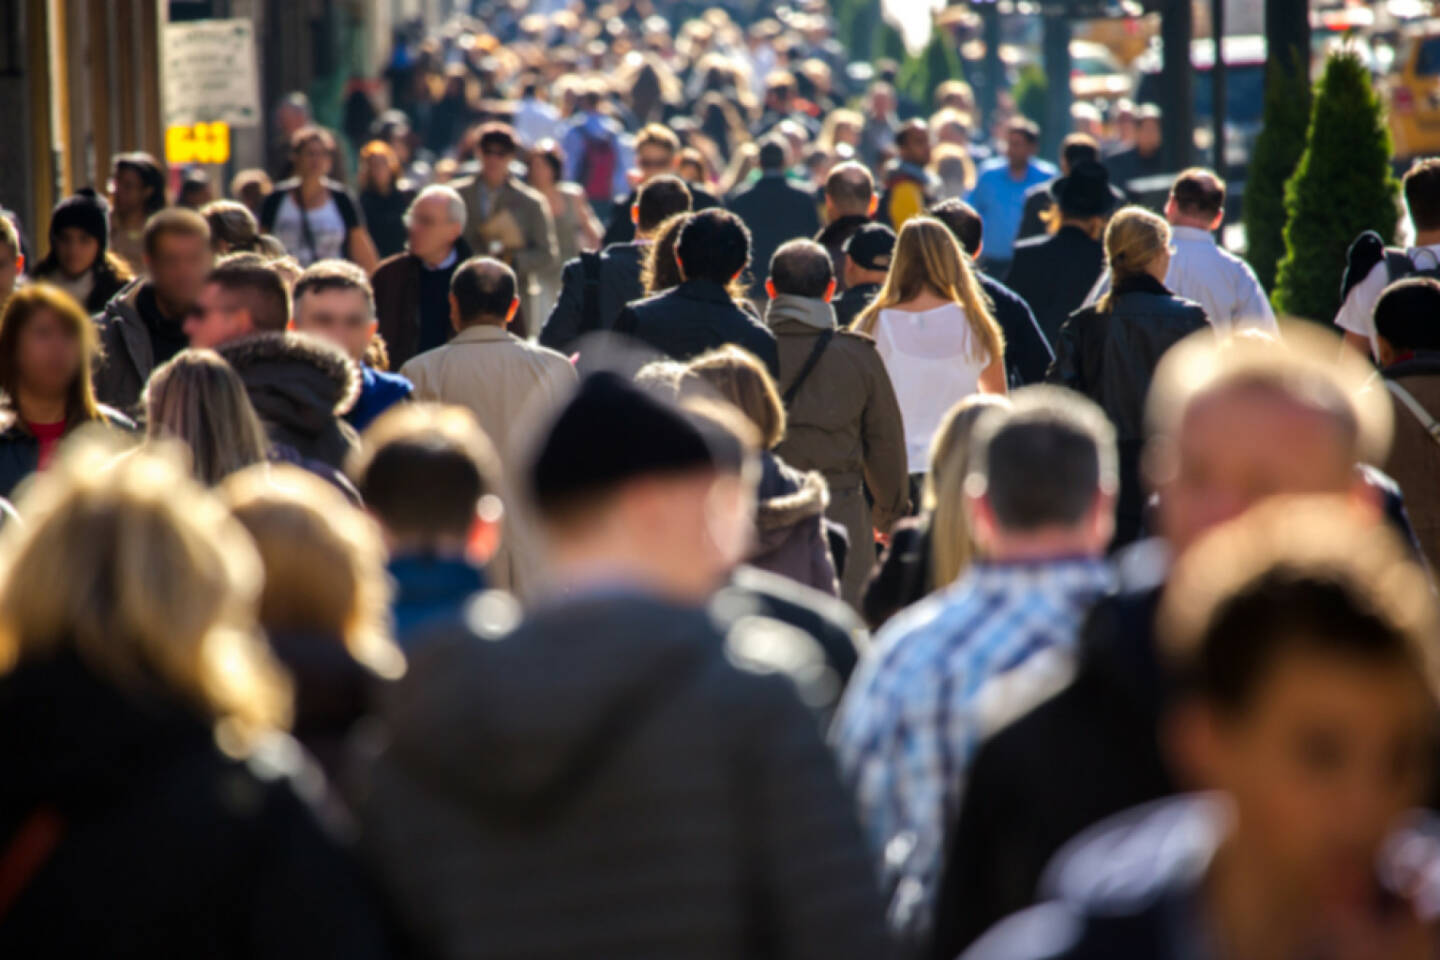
(140, 728)
(48, 348)
(198, 400)
(934, 328)
(790, 515)
(325, 606)
(1109, 351)
(931, 551)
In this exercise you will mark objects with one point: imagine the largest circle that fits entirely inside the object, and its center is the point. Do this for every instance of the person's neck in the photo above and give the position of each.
(311, 188)
(1049, 544)
(36, 408)
(1191, 223)
(1018, 168)
(434, 548)
(169, 309)
(434, 260)
(609, 561)
(128, 220)
(494, 184)
(1427, 238)
(1252, 917)
(485, 323)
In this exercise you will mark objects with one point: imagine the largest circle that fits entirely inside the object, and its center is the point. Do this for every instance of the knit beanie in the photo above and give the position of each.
(86, 211)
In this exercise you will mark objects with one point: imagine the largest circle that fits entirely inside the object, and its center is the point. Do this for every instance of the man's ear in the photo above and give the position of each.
(510, 314)
(454, 313)
(979, 250)
(770, 289)
(484, 538)
(635, 214)
(19, 263)
(874, 205)
(1219, 219)
(829, 291)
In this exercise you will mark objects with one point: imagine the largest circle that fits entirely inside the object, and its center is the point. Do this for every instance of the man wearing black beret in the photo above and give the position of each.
(616, 763)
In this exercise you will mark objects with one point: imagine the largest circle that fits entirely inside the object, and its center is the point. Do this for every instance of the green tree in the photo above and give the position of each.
(1342, 186)
(1031, 92)
(940, 61)
(1277, 152)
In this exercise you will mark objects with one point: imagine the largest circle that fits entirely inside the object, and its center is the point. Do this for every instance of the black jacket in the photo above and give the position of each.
(20, 451)
(639, 794)
(694, 317)
(775, 210)
(174, 849)
(301, 387)
(1110, 357)
(852, 302)
(833, 236)
(618, 283)
(1055, 274)
(1027, 348)
(127, 348)
(621, 228)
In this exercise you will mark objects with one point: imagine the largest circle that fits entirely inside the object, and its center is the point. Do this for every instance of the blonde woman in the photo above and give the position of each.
(326, 602)
(1109, 351)
(146, 776)
(199, 401)
(935, 331)
(931, 551)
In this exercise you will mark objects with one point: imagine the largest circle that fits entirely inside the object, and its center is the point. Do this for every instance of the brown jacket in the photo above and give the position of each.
(1414, 461)
(845, 423)
(533, 252)
(397, 301)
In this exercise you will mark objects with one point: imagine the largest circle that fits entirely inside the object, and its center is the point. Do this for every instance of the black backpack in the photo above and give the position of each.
(1369, 250)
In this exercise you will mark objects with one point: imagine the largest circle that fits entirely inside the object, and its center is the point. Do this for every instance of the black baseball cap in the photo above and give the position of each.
(871, 247)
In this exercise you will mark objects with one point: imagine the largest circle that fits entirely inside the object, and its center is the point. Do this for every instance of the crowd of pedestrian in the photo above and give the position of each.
(682, 499)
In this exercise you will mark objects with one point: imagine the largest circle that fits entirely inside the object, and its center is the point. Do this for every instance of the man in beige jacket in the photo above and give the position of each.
(508, 220)
(505, 381)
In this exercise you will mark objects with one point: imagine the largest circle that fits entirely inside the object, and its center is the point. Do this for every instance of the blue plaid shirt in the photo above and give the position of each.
(908, 728)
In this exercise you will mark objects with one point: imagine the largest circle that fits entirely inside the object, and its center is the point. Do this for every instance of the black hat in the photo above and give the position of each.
(611, 431)
(86, 211)
(871, 247)
(1085, 192)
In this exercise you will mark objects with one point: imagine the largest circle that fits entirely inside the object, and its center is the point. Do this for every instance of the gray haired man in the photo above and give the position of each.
(412, 289)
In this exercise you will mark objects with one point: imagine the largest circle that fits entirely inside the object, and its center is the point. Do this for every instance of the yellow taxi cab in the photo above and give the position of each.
(1413, 94)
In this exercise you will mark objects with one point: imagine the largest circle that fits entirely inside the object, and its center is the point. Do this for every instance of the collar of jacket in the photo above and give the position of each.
(811, 311)
(706, 290)
(1142, 283)
(481, 333)
(1420, 363)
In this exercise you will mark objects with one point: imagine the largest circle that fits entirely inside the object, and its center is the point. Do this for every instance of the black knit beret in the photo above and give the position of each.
(611, 431)
(86, 211)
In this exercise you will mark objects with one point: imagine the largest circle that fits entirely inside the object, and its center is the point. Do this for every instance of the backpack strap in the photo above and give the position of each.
(821, 342)
(1431, 425)
(590, 303)
(1398, 265)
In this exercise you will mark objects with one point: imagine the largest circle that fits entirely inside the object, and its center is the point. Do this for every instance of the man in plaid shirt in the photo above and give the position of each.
(1041, 507)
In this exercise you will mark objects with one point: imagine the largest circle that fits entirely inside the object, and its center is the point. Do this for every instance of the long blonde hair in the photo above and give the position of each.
(1134, 238)
(197, 399)
(143, 575)
(951, 546)
(324, 562)
(928, 258)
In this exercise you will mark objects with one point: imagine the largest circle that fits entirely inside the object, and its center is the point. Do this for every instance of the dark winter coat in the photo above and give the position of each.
(1055, 274)
(694, 317)
(853, 302)
(301, 387)
(619, 284)
(20, 451)
(106, 285)
(1027, 349)
(621, 228)
(1110, 356)
(775, 210)
(640, 794)
(902, 576)
(397, 301)
(172, 848)
(833, 237)
(332, 692)
(127, 353)
(790, 526)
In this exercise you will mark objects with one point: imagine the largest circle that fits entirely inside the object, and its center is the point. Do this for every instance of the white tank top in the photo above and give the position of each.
(928, 356)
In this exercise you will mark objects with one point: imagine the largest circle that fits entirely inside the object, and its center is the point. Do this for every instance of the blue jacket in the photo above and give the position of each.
(378, 392)
(429, 590)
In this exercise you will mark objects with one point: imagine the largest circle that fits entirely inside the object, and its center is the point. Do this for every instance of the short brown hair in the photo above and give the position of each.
(174, 222)
(20, 309)
(1295, 574)
(1199, 192)
(1422, 193)
(657, 135)
(850, 186)
(323, 275)
(738, 378)
(261, 288)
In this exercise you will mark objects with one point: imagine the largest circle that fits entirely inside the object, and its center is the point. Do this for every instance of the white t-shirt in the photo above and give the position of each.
(928, 357)
(1357, 313)
(327, 229)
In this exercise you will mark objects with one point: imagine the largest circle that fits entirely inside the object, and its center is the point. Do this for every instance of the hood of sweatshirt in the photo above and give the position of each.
(295, 381)
(787, 498)
(811, 311)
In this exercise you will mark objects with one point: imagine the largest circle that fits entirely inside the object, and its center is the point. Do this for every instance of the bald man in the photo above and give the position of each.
(1202, 270)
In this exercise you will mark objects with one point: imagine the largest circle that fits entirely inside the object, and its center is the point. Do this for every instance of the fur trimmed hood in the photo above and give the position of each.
(788, 497)
(295, 369)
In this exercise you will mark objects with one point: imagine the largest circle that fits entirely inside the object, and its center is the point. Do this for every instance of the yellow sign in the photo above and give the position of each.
(198, 143)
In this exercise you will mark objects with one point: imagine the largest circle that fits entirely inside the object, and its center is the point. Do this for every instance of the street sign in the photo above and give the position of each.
(198, 143)
(209, 73)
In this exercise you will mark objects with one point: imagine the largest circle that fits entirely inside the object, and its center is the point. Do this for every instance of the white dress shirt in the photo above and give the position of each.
(1222, 283)
(1357, 313)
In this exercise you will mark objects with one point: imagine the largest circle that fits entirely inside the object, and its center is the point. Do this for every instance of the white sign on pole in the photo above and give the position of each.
(209, 73)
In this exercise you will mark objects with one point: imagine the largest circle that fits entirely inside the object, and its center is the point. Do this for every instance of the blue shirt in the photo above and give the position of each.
(1000, 200)
(429, 590)
(378, 393)
(908, 727)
